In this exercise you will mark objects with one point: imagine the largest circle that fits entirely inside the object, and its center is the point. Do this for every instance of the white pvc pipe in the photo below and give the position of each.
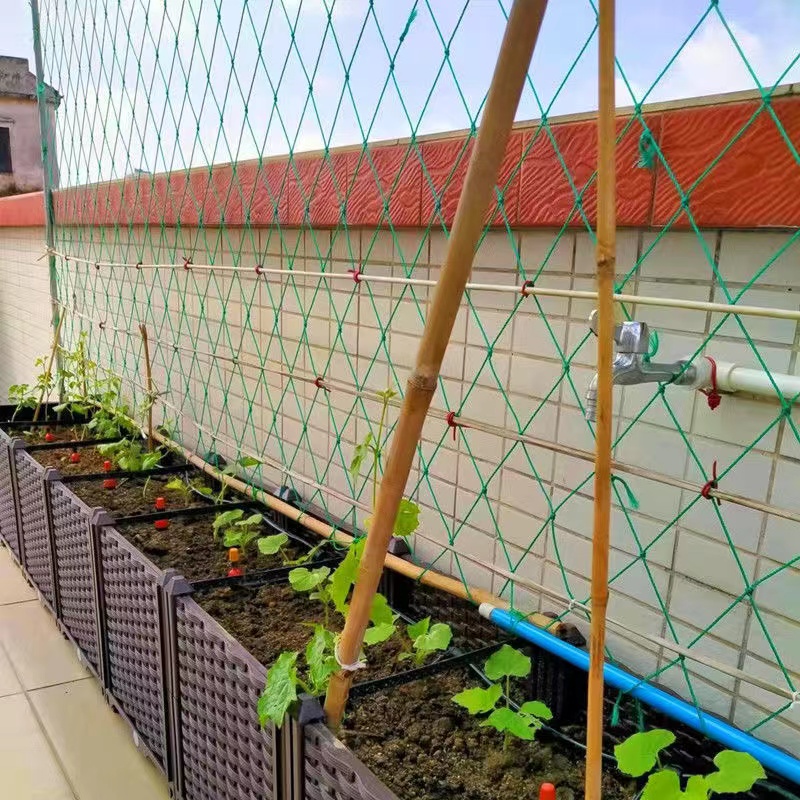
(733, 378)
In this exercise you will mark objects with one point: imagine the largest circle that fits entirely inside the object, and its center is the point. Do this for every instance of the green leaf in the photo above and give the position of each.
(251, 521)
(60, 407)
(381, 613)
(345, 575)
(737, 772)
(206, 490)
(379, 633)
(269, 545)
(479, 700)
(321, 663)
(247, 462)
(662, 785)
(696, 788)
(536, 709)
(507, 663)
(233, 539)
(507, 721)
(407, 519)
(639, 753)
(227, 518)
(437, 638)
(151, 460)
(359, 454)
(418, 628)
(386, 395)
(304, 580)
(175, 485)
(77, 408)
(280, 690)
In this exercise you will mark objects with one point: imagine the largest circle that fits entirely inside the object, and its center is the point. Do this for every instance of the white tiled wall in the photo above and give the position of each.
(673, 552)
(25, 310)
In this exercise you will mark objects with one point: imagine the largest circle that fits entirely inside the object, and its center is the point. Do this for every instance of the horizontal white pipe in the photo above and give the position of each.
(527, 291)
(733, 378)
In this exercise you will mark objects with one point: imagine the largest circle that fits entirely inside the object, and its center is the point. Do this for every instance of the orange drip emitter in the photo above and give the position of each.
(109, 483)
(161, 524)
(233, 557)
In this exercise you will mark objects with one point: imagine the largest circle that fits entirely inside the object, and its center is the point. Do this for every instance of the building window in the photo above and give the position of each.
(5, 150)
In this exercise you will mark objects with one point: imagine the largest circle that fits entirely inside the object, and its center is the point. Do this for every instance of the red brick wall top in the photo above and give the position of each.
(728, 164)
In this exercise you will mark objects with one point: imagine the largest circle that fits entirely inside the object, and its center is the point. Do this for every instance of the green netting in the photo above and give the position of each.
(155, 87)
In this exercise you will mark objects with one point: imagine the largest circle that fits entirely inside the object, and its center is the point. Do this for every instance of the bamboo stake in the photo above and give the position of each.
(56, 340)
(150, 397)
(606, 267)
(513, 61)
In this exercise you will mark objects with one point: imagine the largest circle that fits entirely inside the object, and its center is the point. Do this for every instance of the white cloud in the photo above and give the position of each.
(710, 63)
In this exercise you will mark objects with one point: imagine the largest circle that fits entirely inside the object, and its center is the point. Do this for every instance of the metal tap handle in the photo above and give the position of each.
(630, 337)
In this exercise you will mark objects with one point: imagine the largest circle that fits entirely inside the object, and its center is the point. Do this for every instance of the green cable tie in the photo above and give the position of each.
(632, 501)
(647, 151)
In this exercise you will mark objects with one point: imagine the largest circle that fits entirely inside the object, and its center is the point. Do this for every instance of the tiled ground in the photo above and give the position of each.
(59, 740)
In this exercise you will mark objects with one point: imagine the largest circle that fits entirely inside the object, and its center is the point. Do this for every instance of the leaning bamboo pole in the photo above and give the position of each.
(606, 263)
(510, 72)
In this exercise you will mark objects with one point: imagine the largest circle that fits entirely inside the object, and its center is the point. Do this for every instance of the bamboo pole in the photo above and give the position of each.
(149, 376)
(606, 267)
(513, 61)
(49, 370)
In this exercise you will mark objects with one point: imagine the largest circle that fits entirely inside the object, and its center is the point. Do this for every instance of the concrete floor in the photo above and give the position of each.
(59, 740)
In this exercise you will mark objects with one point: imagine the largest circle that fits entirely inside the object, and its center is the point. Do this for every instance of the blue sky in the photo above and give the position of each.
(109, 129)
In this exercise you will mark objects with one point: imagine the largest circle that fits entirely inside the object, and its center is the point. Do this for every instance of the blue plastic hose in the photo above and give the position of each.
(768, 756)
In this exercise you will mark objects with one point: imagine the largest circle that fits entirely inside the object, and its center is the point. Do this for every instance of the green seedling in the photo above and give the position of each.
(180, 487)
(427, 639)
(640, 755)
(130, 455)
(245, 462)
(76, 375)
(370, 451)
(25, 395)
(500, 667)
(283, 679)
(236, 530)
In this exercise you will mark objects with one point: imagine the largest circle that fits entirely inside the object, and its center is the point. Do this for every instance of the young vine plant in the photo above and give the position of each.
(503, 665)
(239, 531)
(370, 453)
(640, 755)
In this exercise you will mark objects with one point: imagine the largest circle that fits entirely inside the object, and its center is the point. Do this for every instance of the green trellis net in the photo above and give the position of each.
(153, 87)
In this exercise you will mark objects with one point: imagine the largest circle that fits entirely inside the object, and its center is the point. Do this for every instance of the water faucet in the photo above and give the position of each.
(632, 340)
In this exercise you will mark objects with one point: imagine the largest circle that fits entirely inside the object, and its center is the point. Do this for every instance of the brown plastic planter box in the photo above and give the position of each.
(27, 476)
(220, 750)
(8, 507)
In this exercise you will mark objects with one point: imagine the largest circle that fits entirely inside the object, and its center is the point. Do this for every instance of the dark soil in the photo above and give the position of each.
(269, 620)
(61, 433)
(131, 495)
(424, 747)
(90, 460)
(188, 546)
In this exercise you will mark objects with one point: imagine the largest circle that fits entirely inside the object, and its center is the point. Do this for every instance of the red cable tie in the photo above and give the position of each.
(138, 265)
(102, 325)
(451, 423)
(318, 382)
(356, 273)
(713, 396)
(709, 485)
(97, 266)
(187, 264)
(259, 269)
(529, 284)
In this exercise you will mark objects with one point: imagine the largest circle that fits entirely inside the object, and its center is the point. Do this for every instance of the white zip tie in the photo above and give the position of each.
(346, 667)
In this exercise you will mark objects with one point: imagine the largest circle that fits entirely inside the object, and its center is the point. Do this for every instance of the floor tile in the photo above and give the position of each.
(94, 745)
(28, 767)
(40, 654)
(13, 587)
(8, 680)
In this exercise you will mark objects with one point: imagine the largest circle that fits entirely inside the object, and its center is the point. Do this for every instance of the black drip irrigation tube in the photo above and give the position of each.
(170, 469)
(74, 445)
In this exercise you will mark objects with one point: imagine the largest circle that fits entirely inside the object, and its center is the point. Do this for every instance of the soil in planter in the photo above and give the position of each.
(425, 747)
(274, 618)
(132, 496)
(188, 546)
(90, 460)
